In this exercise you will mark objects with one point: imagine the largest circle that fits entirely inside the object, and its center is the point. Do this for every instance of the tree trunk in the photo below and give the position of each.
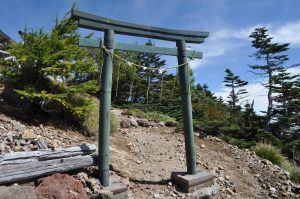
(161, 88)
(233, 104)
(117, 84)
(270, 100)
(148, 87)
(130, 91)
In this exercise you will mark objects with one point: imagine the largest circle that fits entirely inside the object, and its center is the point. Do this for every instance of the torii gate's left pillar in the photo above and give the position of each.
(105, 104)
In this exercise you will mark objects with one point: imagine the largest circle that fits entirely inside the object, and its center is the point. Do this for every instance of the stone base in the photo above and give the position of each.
(190, 183)
(114, 191)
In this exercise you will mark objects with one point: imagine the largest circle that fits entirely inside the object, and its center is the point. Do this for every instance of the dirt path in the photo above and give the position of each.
(148, 156)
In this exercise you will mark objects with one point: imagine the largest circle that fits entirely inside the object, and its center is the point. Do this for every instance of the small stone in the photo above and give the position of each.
(202, 146)
(2, 147)
(227, 177)
(9, 137)
(138, 162)
(272, 189)
(91, 182)
(284, 194)
(221, 179)
(18, 127)
(229, 191)
(22, 142)
(83, 177)
(29, 135)
(156, 195)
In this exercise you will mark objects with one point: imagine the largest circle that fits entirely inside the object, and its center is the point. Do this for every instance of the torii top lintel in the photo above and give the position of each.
(94, 22)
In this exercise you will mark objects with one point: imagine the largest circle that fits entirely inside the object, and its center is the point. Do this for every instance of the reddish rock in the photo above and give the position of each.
(60, 186)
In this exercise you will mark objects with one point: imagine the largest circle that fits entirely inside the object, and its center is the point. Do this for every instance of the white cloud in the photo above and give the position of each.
(256, 92)
(294, 71)
(287, 33)
(227, 40)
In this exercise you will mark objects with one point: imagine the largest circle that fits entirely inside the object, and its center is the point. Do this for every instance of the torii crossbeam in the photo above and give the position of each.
(181, 37)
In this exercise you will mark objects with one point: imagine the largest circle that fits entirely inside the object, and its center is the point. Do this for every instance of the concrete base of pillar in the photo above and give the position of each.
(190, 183)
(114, 191)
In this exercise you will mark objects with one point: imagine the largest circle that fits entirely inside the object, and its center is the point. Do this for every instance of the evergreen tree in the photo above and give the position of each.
(236, 94)
(287, 93)
(52, 70)
(151, 77)
(248, 113)
(270, 54)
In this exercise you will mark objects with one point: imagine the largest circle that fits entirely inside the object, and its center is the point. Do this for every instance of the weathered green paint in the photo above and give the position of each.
(87, 42)
(96, 43)
(90, 21)
(77, 14)
(105, 104)
(187, 108)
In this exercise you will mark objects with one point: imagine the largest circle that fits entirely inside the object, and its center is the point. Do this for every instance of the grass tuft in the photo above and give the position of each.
(271, 153)
(91, 121)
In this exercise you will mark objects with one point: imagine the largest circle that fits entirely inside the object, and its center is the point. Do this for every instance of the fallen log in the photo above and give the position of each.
(46, 154)
(20, 166)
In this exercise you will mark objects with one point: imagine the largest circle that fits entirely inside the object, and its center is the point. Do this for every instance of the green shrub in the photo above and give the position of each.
(91, 121)
(267, 137)
(136, 113)
(270, 153)
(158, 116)
(292, 148)
(293, 170)
(233, 131)
(113, 123)
(294, 173)
(241, 143)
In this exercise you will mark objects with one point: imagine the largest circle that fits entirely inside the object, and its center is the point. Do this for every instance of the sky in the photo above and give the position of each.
(229, 22)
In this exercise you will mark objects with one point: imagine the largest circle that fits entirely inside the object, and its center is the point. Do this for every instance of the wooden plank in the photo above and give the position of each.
(20, 172)
(76, 14)
(138, 32)
(32, 156)
(96, 43)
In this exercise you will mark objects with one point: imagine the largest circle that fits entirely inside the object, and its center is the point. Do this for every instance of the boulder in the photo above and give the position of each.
(61, 186)
(143, 123)
(133, 122)
(171, 124)
(125, 123)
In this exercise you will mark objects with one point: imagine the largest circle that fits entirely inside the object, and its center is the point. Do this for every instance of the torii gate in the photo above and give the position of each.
(191, 177)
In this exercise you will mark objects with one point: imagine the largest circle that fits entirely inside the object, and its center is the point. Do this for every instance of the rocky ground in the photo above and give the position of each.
(143, 155)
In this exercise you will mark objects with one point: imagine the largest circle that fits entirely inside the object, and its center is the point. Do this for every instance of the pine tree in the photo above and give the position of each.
(285, 88)
(248, 113)
(237, 92)
(151, 79)
(271, 55)
(52, 70)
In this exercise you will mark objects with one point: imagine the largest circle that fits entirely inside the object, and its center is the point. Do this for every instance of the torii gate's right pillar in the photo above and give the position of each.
(189, 180)
(187, 108)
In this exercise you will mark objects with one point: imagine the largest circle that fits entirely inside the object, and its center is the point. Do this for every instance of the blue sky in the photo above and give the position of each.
(229, 22)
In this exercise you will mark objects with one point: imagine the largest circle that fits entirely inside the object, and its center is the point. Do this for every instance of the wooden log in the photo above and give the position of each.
(34, 156)
(25, 171)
